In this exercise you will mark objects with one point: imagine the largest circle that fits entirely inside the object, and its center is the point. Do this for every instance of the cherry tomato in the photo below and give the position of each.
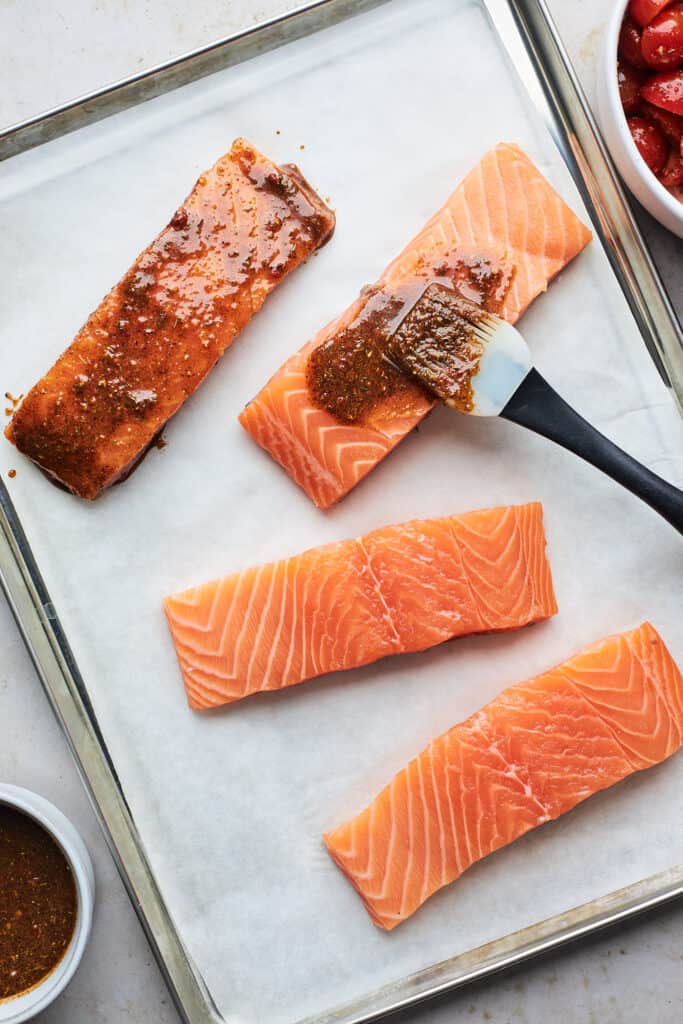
(650, 142)
(671, 174)
(671, 125)
(643, 11)
(630, 81)
(662, 41)
(665, 90)
(630, 39)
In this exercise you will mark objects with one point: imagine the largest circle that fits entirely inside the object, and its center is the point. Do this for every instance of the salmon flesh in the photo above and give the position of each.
(400, 589)
(532, 754)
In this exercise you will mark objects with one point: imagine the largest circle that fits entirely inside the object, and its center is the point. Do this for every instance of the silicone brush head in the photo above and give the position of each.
(470, 359)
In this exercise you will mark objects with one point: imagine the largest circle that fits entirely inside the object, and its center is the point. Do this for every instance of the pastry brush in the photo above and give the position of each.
(481, 365)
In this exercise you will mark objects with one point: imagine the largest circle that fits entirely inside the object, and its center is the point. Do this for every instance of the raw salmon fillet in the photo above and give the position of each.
(504, 207)
(246, 224)
(532, 754)
(400, 589)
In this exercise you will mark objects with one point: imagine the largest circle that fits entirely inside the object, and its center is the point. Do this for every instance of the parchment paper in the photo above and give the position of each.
(392, 108)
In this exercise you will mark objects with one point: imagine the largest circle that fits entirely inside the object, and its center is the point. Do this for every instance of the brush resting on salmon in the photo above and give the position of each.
(435, 343)
(532, 754)
(353, 374)
(148, 346)
(481, 365)
(500, 238)
(397, 590)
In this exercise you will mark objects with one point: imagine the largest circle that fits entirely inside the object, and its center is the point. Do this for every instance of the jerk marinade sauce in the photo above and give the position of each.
(38, 903)
(358, 369)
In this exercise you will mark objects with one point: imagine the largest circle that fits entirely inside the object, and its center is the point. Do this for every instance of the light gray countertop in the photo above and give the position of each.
(50, 53)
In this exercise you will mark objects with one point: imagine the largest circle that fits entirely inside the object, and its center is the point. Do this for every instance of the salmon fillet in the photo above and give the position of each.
(399, 589)
(505, 208)
(532, 754)
(246, 224)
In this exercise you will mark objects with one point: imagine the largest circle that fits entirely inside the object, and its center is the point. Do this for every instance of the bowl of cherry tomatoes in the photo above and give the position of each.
(640, 103)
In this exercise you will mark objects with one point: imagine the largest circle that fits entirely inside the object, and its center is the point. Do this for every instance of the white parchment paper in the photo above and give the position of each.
(392, 108)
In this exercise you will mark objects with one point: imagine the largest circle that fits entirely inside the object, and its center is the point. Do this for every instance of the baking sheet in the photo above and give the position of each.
(231, 805)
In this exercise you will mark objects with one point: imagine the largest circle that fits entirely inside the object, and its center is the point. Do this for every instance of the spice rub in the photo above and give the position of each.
(363, 367)
(38, 903)
(158, 333)
(350, 373)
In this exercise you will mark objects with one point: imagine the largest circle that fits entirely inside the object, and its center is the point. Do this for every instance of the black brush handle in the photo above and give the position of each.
(537, 406)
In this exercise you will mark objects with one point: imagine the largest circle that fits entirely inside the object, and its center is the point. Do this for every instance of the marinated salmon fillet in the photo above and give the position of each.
(532, 754)
(399, 589)
(246, 224)
(505, 226)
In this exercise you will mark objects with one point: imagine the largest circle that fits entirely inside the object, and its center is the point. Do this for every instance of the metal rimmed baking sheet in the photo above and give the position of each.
(368, 163)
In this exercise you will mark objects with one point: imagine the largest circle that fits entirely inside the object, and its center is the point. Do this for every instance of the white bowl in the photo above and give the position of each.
(24, 1007)
(633, 169)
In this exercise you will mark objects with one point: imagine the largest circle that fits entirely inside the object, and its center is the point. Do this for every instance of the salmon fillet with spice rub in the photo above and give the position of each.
(500, 238)
(246, 224)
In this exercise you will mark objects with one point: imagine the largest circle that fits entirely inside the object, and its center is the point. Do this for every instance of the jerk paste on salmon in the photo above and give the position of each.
(246, 224)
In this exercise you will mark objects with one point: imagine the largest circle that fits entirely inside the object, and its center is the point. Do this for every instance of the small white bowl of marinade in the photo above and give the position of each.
(47, 889)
